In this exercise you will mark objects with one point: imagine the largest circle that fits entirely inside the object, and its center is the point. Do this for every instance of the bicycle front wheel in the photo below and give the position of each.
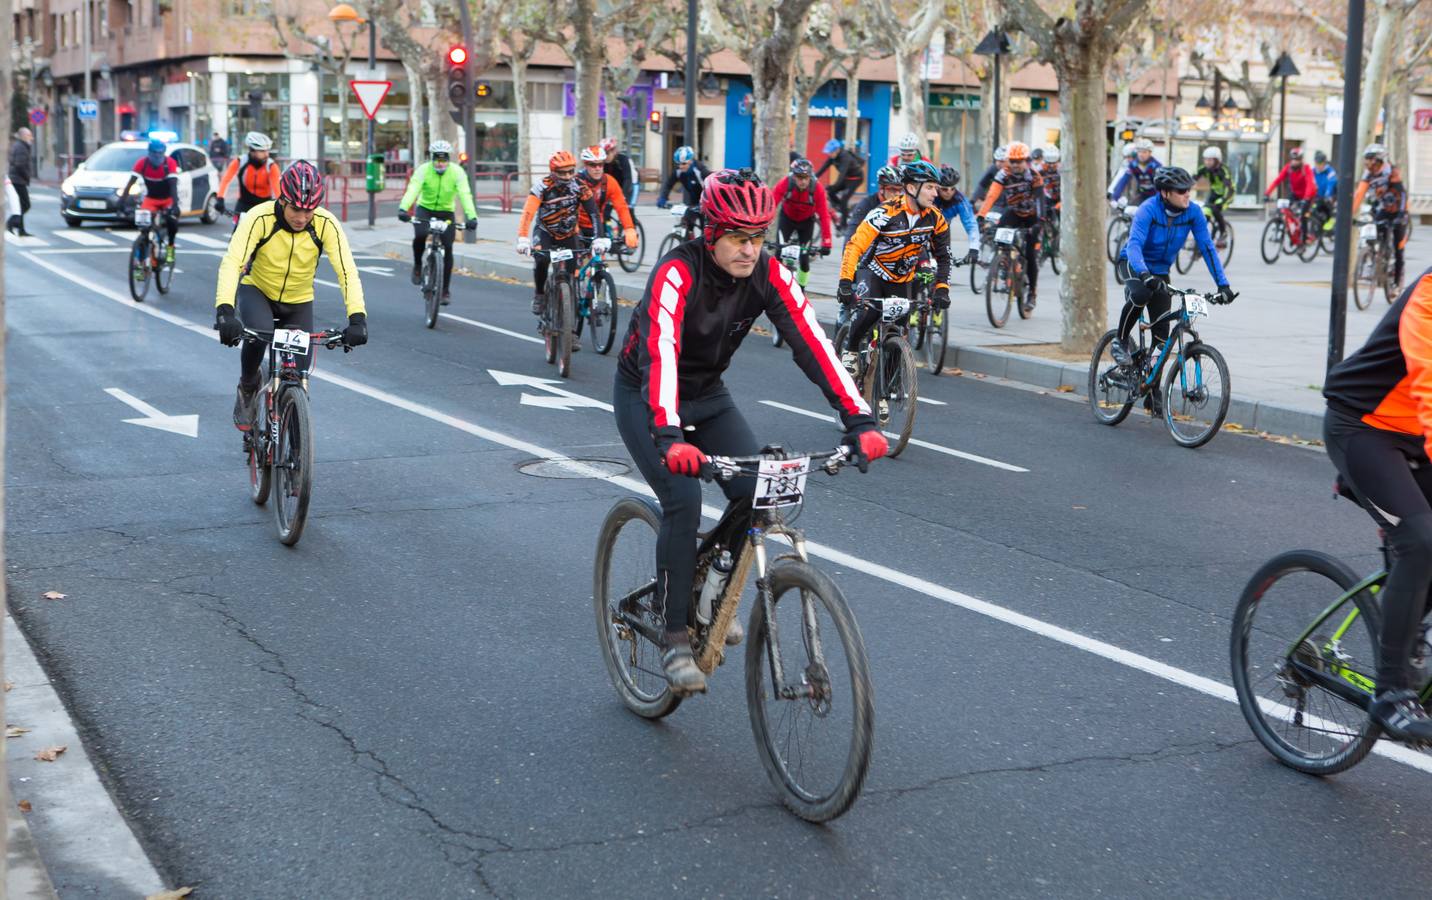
(1196, 394)
(668, 244)
(1112, 387)
(1309, 249)
(603, 313)
(815, 731)
(998, 297)
(1228, 243)
(624, 588)
(979, 269)
(432, 296)
(896, 392)
(139, 271)
(1364, 278)
(629, 258)
(1272, 240)
(935, 343)
(292, 465)
(1051, 247)
(1114, 237)
(564, 319)
(1301, 722)
(164, 272)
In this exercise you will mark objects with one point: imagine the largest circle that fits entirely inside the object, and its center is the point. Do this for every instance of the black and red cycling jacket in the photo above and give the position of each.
(694, 315)
(1388, 383)
(799, 205)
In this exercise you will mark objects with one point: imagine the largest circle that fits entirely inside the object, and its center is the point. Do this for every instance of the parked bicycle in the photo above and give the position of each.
(597, 301)
(808, 687)
(886, 372)
(1304, 653)
(1185, 381)
(151, 256)
(1007, 285)
(280, 447)
(1375, 266)
(1284, 234)
(431, 271)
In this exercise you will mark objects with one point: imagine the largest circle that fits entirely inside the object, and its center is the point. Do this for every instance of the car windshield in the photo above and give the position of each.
(115, 158)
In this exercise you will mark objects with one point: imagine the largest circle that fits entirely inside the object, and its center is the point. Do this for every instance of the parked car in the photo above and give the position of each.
(93, 192)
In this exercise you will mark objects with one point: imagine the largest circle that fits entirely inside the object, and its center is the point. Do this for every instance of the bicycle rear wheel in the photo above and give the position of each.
(629, 258)
(563, 321)
(603, 313)
(1114, 237)
(1051, 246)
(292, 465)
(997, 286)
(935, 342)
(815, 732)
(1228, 243)
(898, 386)
(979, 269)
(1189, 252)
(1196, 394)
(1272, 240)
(164, 272)
(1302, 723)
(260, 472)
(1364, 278)
(624, 580)
(668, 243)
(432, 296)
(139, 271)
(1112, 387)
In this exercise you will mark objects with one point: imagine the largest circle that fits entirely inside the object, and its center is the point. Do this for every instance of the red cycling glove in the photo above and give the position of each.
(684, 459)
(872, 445)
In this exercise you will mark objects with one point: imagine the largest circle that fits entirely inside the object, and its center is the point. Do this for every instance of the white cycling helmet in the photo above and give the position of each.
(911, 141)
(440, 148)
(1375, 151)
(1051, 154)
(256, 140)
(1001, 152)
(1143, 144)
(1213, 153)
(593, 154)
(1128, 150)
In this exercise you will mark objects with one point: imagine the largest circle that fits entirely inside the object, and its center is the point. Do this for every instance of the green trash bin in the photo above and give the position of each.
(374, 173)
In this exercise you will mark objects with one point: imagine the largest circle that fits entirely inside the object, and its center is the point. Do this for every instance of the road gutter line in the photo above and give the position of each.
(1056, 633)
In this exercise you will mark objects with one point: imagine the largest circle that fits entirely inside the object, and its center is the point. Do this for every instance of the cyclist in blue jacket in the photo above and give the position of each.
(1326, 178)
(1140, 169)
(953, 205)
(1159, 230)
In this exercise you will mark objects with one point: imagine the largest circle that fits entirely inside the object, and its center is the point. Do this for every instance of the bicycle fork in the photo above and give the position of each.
(815, 682)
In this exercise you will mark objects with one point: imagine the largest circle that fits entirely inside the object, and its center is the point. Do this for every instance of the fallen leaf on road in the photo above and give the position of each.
(53, 595)
(957, 371)
(8, 685)
(1233, 426)
(25, 806)
(15, 731)
(1066, 388)
(50, 754)
(175, 894)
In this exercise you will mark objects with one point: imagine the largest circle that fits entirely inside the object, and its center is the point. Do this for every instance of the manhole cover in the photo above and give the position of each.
(574, 468)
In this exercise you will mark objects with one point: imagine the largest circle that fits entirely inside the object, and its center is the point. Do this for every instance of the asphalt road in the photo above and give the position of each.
(411, 702)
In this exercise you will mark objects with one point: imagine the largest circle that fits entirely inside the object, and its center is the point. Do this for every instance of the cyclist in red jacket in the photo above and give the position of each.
(1301, 184)
(801, 200)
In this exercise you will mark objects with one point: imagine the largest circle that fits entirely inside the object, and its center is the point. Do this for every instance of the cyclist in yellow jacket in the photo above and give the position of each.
(269, 270)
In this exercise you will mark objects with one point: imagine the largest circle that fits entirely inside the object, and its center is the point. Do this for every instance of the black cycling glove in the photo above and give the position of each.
(231, 330)
(1226, 294)
(845, 292)
(219, 205)
(940, 296)
(356, 334)
(470, 225)
(404, 216)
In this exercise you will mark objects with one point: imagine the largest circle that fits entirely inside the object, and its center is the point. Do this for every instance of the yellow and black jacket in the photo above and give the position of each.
(282, 264)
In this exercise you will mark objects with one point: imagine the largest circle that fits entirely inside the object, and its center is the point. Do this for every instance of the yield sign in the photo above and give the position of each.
(371, 94)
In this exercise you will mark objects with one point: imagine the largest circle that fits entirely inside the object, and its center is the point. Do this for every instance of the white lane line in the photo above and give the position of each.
(188, 238)
(1092, 646)
(332, 284)
(476, 324)
(932, 402)
(949, 451)
(31, 241)
(70, 251)
(84, 238)
(377, 270)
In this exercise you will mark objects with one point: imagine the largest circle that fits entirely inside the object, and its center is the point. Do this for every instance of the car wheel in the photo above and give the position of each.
(211, 212)
(72, 221)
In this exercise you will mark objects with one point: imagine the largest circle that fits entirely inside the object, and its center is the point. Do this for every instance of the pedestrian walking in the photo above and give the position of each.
(21, 165)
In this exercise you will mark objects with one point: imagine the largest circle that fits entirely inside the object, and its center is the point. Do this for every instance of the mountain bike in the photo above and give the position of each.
(808, 687)
(1117, 233)
(629, 258)
(1049, 243)
(559, 312)
(150, 256)
(790, 257)
(1185, 259)
(1007, 277)
(280, 447)
(926, 322)
(681, 232)
(1304, 650)
(597, 302)
(1374, 269)
(886, 372)
(1284, 234)
(979, 271)
(431, 278)
(1191, 396)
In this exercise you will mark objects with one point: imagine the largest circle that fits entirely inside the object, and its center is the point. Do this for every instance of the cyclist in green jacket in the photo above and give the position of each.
(435, 186)
(1220, 192)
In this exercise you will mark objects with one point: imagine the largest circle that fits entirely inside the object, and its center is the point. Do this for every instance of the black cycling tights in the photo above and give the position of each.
(1378, 466)
(870, 290)
(1137, 297)
(718, 428)
(541, 240)
(261, 314)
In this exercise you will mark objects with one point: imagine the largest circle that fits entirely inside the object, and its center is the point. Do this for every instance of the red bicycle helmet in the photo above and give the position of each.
(732, 199)
(301, 186)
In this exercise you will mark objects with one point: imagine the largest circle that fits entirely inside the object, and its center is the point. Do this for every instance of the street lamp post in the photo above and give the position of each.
(690, 84)
(1347, 162)
(1283, 68)
(994, 44)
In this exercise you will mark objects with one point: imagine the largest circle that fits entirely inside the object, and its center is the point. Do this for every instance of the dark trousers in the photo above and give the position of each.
(789, 231)
(541, 241)
(420, 240)
(714, 425)
(263, 315)
(1137, 297)
(1378, 466)
(870, 290)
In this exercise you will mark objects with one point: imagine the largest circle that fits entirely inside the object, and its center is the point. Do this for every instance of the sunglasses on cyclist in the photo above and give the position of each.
(565, 173)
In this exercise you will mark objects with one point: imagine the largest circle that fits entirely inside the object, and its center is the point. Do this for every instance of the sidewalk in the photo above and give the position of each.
(1274, 336)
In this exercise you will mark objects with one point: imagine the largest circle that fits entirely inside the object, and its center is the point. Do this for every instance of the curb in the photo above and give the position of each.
(1246, 412)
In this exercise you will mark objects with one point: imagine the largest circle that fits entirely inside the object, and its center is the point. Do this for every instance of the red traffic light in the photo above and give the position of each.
(457, 55)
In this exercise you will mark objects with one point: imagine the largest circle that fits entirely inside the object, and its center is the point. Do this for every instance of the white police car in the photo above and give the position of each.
(97, 190)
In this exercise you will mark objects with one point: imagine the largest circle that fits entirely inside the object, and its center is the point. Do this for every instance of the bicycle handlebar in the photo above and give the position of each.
(331, 338)
(725, 468)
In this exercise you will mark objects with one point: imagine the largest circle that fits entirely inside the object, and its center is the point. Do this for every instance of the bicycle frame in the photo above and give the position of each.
(1293, 223)
(1348, 684)
(1182, 325)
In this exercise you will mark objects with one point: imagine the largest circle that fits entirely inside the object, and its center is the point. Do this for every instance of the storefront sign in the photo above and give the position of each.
(1422, 120)
(953, 101)
(569, 100)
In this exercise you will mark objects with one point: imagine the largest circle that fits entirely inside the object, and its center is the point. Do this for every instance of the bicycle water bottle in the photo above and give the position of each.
(715, 585)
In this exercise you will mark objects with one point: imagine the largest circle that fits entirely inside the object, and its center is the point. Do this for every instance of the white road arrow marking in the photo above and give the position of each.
(153, 418)
(555, 398)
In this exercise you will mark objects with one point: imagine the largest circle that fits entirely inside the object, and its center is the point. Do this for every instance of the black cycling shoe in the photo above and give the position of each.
(417, 276)
(1120, 351)
(1402, 716)
(244, 408)
(539, 303)
(684, 676)
(446, 300)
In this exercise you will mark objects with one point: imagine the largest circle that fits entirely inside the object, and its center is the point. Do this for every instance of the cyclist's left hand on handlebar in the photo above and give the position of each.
(601, 245)
(825, 250)
(356, 334)
(1226, 294)
(231, 330)
(220, 207)
(682, 458)
(869, 444)
(970, 257)
(940, 296)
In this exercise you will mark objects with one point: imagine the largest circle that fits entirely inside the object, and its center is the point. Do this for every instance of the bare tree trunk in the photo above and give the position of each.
(524, 124)
(440, 125)
(1399, 110)
(912, 90)
(615, 91)
(852, 106)
(1081, 121)
(589, 55)
(1121, 102)
(417, 117)
(804, 93)
(772, 90)
(1391, 14)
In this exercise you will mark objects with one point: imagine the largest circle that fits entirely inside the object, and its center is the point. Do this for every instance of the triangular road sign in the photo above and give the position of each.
(371, 94)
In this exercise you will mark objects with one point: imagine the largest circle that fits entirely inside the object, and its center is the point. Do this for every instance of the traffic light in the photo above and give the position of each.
(482, 89)
(1126, 135)
(654, 121)
(457, 59)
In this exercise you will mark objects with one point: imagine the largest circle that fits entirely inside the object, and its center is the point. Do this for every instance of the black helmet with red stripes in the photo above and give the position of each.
(732, 199)
(301, 186)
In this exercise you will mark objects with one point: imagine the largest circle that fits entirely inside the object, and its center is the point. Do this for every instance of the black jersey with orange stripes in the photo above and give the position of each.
(694, 315)
(1388, 383)
(1050, 174)
(892, 239)
(1019, 193)
(555, 203)
(1389, 192)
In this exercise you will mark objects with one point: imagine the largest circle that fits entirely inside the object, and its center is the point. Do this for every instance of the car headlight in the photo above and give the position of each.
(136, 187)
(67, 187)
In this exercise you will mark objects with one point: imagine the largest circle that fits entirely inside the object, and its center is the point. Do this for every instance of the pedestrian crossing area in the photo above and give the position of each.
(80, 239)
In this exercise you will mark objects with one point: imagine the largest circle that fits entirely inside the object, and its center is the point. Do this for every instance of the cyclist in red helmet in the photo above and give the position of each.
(266, 275)
(671, 405)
